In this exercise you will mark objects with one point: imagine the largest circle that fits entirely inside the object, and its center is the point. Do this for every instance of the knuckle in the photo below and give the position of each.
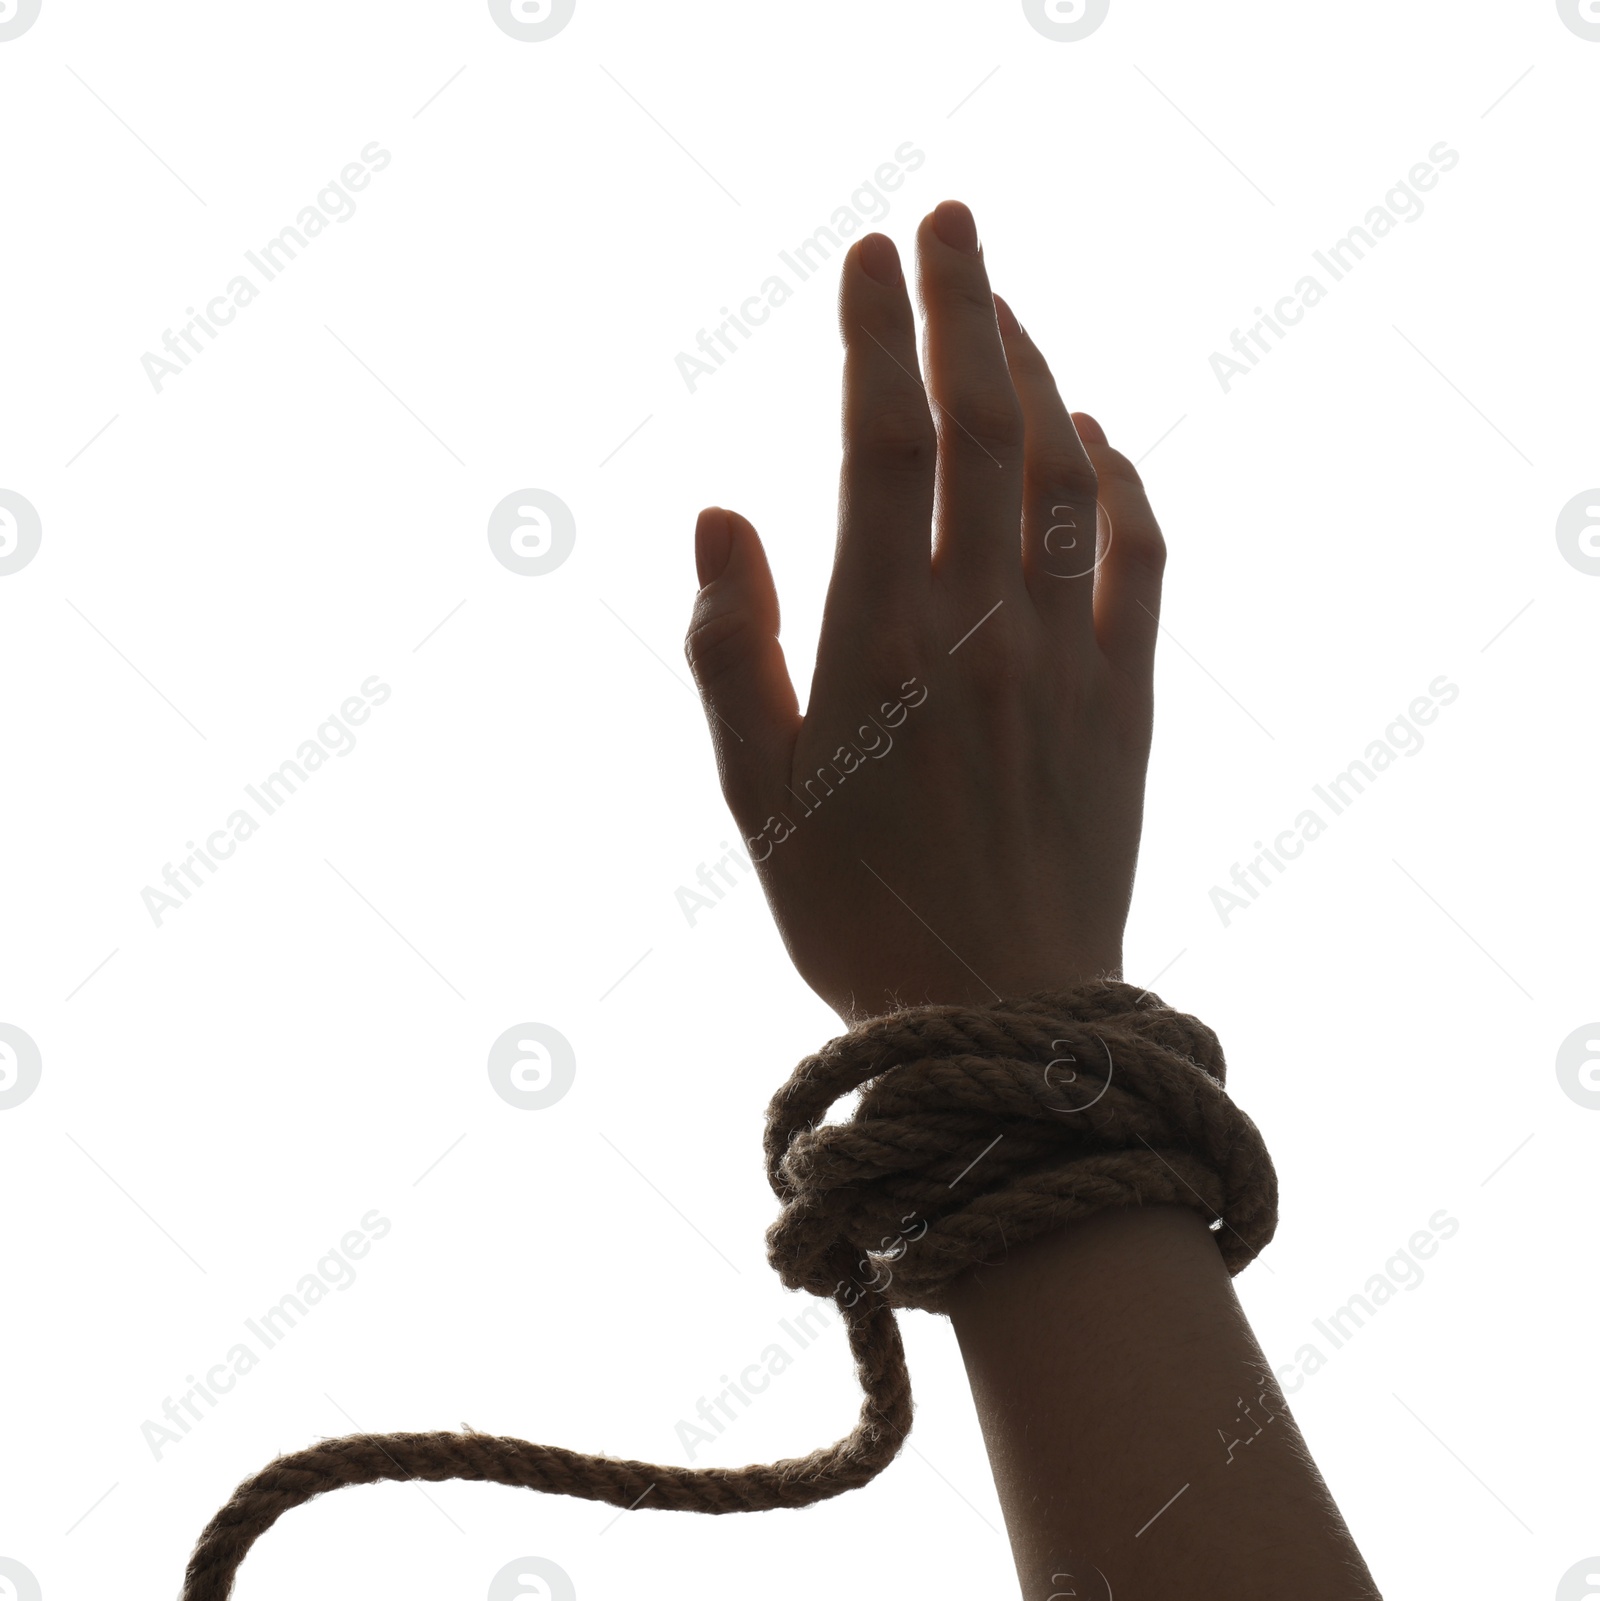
(969, 291)
(898, 640)
(717, 644)
(1144, 549)
(995, 662)
(1064, 475)
(1116, 466)
(893, 436)
(991, 416)
(1063, 532)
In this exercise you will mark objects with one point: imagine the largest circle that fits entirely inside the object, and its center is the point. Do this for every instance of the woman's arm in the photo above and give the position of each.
(1140, 1446)
(956, 819)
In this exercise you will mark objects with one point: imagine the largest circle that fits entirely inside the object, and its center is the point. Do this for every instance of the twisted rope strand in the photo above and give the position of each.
(978, 1128)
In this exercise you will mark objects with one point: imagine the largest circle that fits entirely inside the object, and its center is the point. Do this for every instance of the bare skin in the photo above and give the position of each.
(956, 818)
(1113, 1369)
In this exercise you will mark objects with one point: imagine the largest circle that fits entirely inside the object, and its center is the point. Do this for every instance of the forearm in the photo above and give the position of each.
(997, 558)
(1104, 1359)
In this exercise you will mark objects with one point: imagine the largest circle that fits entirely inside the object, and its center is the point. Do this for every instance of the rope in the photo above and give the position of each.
(977, 1128)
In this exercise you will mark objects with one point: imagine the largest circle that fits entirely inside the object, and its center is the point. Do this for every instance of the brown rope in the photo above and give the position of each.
(978, 1128)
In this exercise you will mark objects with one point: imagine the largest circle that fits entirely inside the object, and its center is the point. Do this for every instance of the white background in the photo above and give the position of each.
(225, 1095)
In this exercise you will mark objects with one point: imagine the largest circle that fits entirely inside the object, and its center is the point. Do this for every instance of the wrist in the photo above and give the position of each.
(983, 984)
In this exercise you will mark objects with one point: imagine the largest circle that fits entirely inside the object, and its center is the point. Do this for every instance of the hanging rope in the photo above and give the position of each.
(978, 1128)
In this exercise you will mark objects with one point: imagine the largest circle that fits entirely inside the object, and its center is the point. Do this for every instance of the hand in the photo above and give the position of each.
(956, 817)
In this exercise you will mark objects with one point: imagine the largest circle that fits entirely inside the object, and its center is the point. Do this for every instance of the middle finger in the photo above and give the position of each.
(978, 511)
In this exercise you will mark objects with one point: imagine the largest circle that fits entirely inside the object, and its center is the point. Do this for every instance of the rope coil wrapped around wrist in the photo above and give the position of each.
(978, 1128)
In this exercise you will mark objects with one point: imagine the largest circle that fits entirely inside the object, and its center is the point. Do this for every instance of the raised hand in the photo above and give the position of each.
(957, 815)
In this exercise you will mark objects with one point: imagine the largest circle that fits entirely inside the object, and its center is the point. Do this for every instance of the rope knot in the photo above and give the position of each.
(980, 1127)
(977, 1128)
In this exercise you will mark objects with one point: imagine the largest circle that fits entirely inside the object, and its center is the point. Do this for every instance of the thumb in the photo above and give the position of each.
(738, 664)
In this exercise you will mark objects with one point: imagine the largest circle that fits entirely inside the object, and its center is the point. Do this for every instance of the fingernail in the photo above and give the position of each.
(953, 223)
(1089, 431)
(879, 259)
(1007, 318)
(713, 543)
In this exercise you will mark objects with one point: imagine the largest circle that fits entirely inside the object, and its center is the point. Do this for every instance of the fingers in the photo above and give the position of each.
(999, 450)
(1127, 601)
(1058, 491)
(976, 412)
(738, 665)
(886, 481)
